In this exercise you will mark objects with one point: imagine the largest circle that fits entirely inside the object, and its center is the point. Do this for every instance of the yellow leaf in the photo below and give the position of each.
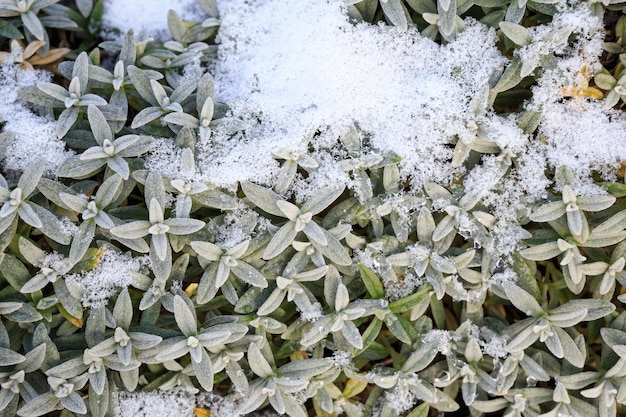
(354, 387)
(191, 289)
(76, 321)
(202, 412)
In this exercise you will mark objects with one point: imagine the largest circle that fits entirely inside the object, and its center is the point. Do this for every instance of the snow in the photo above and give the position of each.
(114, 271)
(146, 17)
(34, 135)
(407, 93)
(158, 403)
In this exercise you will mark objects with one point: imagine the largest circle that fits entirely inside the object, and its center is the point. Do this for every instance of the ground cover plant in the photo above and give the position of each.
(369, 208)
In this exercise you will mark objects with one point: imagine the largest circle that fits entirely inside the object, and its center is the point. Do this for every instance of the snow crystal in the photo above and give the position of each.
(34, 136)
(114, 272)
(160, 403)
(146, 17)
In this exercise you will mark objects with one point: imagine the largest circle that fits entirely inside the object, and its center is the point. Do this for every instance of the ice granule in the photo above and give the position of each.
(157, 403)
(114, 272)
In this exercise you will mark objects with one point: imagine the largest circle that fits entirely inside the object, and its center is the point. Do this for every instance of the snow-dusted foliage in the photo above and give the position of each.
(269, 207)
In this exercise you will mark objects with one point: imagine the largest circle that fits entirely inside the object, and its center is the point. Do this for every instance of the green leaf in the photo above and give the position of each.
(406, 303)
(510, 78)
(14, 271)
(372, 282)
(394, 11)
(82, 240)
(147, 115)
(281, 240)
(263, 198)
(38, 406)
(141, 82)
(99, 126)
(9, 357)
(185, 317)
(420, 411)
(9, 31)
(77, 168)
(517, 33)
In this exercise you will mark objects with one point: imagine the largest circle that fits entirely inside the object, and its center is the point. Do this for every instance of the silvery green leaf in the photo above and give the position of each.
(258, 363)
(99, 126)
(53, 90)
(342, 297)
(447, 16)
(177, 28)
(123, 310)
(604, 239)
(7, 307)
(517, 33)
(522, 300)
(263, 198)
(249, 274)
(566, 317)
(394, 11)
(571, 352)
(66, 120)
(142, 341)
(575, 222)
(82, 240)
(352, 335)
(28, 215)
(183, 91)
(132, 230)
(321, 200)
(333, 250)
(160, 246)
(108, 190)
(510, 77)
(595, 203)
(172, 348)
(315, 233)
(161, 267)
(154, 188)
(289, 210)
(206, 90)
(26, 314)
(133, 145)
(595, 308)
(74, 167)
(141, 82)
(36, 283)
(204, 371)
(146, 116)
(421, 357)
(548, 212)
(272, 302)
(67, 300)
(541, 252)
(51, 225)
(613, 223)
(253, 400)
(180, 226)
(30, 251)
(30, 177)
(216, 199)
(207, 250)
(73, 202)
(8, 357)
(613, 337)
(74, 403)
(68, 369)
(92, 99)
(39, 405)
(185, 317)
(181, 119)
(280, 241)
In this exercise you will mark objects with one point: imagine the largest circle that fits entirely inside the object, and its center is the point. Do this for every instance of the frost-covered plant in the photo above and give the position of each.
(456, 247)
